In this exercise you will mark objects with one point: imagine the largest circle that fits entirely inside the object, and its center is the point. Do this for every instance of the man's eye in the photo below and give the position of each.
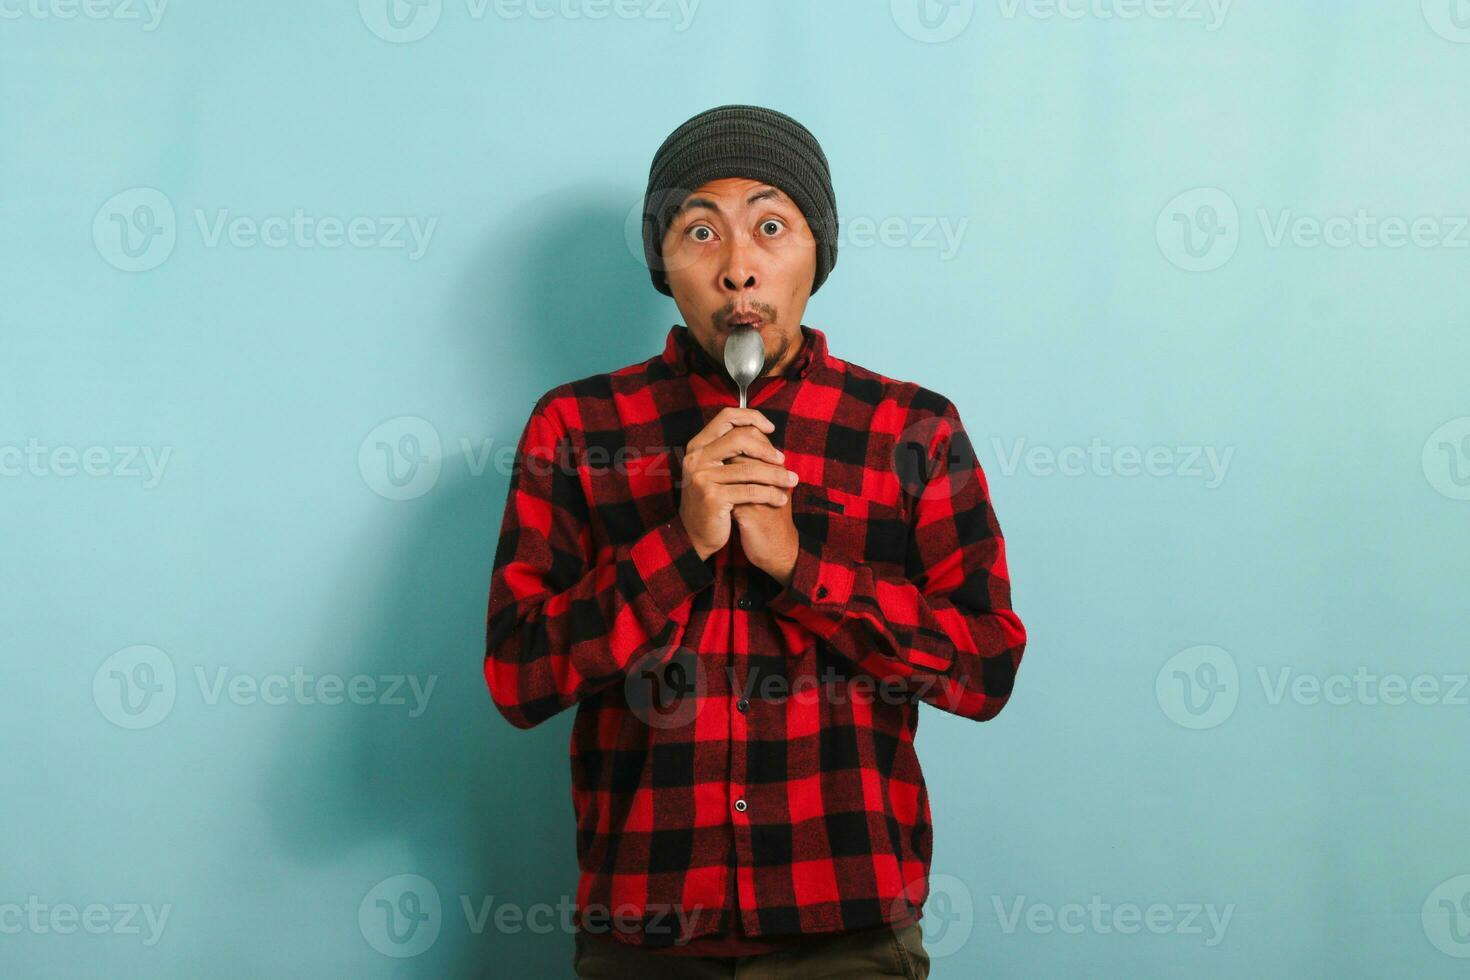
(769, 222)
(697, 229)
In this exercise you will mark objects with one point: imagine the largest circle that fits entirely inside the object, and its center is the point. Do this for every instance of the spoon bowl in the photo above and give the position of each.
(745, 357)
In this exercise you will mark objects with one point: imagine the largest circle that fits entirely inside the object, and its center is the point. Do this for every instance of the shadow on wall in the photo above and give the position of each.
(457, 795)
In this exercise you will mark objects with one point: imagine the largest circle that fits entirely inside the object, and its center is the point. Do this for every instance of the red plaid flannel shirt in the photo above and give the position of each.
(742, 753)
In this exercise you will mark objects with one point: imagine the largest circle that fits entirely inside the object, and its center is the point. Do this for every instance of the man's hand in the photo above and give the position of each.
(731, 463)
(768, 536)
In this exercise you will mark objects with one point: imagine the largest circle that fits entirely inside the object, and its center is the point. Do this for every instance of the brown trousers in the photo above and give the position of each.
(882, 951)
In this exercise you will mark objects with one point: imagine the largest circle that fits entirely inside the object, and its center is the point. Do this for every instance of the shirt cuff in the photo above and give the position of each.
(669, 565)
(818, 582)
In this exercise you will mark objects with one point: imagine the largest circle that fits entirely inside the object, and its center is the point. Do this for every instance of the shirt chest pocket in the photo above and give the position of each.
(852, 527)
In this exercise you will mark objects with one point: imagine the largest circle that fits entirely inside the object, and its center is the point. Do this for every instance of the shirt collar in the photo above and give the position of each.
(684, 356)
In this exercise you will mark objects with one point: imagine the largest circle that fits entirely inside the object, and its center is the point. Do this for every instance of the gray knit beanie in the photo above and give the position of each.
(740, 141)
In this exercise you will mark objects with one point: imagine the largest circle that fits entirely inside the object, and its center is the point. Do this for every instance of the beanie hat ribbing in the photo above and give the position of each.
(740, 141)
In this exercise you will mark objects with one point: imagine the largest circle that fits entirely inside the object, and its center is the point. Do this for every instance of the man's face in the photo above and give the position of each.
(741, 246)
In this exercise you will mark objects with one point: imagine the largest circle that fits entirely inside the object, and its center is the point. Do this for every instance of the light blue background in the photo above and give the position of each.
(1067, 316)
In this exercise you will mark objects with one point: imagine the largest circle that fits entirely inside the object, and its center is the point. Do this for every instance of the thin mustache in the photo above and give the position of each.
(764, 312)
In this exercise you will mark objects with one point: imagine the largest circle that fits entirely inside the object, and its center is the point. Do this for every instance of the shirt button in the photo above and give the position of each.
(742, 704)
(740, 805)
(744, 602)
(821, 592)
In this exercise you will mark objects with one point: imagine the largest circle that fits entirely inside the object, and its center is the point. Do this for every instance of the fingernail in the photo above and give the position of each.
(791, 477)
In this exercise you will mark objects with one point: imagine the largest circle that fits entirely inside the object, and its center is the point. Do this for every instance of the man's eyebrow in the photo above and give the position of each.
(773, 193)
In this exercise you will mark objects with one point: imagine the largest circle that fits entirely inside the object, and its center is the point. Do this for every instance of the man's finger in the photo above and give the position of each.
(727, 419)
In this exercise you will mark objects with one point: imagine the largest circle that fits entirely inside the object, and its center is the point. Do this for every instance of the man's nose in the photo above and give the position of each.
(739, 272)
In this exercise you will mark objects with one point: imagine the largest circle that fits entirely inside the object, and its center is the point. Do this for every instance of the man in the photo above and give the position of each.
(748, 605)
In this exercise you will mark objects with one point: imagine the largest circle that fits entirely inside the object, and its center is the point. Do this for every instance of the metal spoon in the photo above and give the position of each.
(745, 357)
